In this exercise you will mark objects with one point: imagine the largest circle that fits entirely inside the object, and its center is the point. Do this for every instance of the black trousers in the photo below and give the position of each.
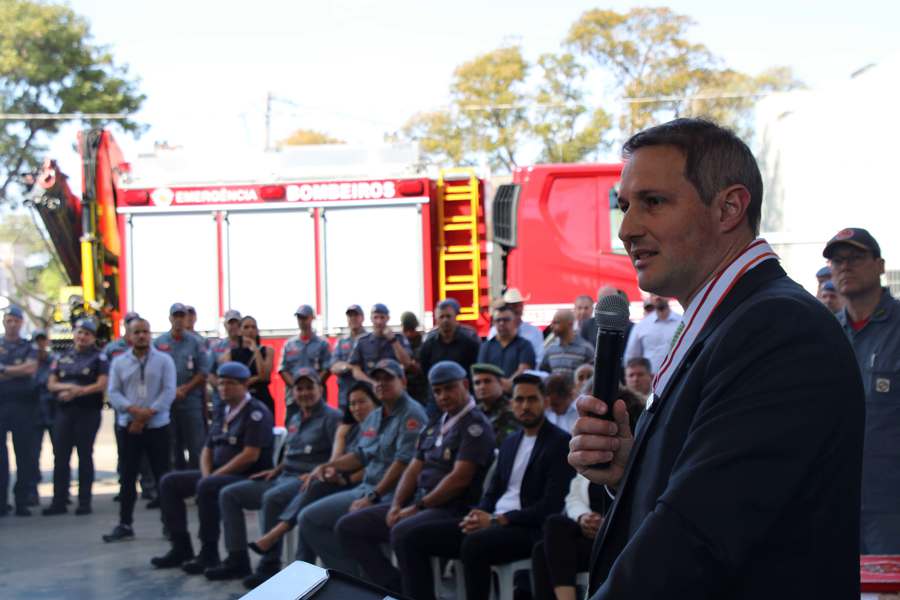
(177, 486)
(152, 446)
(478, 551)
(17, 417)
(564, 553)
(148, 481)
(363, 532)
(75, 427)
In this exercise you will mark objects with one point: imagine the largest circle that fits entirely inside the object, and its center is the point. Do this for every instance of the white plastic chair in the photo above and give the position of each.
(280, 434)
(583, 580)
(289, 546)
(460, 581)
(505, 574)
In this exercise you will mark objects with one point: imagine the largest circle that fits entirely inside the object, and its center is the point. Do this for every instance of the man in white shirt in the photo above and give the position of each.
(652, 337)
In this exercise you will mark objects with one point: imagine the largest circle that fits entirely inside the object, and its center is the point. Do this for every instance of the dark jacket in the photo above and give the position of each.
(546, 480)
(744, 478)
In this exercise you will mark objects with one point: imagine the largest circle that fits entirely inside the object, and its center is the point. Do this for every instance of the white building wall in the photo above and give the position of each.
(831, 159)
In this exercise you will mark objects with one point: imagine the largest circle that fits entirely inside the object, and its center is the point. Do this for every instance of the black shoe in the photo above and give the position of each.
(55, 509)
(257, 579)
(68, 501)
(181, 551)
(21, 511)
(83, 509)
(206, 559)
(33, 500)
(120, 533)
(117, 498)
(235, 566)
(153, 504)
(148, 495)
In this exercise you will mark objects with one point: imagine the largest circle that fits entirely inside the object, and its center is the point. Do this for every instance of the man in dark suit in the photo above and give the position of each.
(743, 478)
(529, 484)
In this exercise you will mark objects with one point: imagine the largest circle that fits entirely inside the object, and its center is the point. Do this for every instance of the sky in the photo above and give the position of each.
(359, 69)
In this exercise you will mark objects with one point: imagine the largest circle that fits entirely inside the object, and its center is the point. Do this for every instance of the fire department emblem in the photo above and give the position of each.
(844, 234)
(882, 385)
(162, 196)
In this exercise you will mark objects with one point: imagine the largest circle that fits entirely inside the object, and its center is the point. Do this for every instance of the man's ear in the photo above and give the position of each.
(732, 204)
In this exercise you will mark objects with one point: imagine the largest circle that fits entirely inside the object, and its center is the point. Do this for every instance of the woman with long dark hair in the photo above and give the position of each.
(258, 359)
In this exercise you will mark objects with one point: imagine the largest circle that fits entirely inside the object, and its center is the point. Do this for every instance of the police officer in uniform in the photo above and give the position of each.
(305, 350)
(379, 344)
(218, 349)
(18, 410)
(46, 406)
(78, 379)
(443, 481)
(340, 365)
(121, 345)
(308, 444)
(191, 366)
(239, 444)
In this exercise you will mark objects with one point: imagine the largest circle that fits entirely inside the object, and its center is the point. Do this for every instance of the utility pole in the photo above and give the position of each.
(268, 121)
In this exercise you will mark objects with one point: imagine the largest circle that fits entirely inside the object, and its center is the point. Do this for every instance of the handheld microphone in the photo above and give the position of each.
(611, 316)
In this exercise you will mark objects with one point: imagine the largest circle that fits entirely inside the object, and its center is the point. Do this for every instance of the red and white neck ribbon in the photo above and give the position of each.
(701, 308)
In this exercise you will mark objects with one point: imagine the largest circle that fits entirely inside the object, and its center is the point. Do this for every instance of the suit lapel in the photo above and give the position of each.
(748, 284)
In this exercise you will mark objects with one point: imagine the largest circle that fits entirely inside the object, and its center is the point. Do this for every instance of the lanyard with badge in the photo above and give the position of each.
(142, 384)
(449, 423)
(232, 414)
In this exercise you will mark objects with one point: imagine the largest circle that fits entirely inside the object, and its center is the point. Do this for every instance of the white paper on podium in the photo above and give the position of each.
(295, 581)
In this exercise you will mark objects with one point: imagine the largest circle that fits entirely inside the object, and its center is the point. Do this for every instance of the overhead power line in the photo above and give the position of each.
(62, 116)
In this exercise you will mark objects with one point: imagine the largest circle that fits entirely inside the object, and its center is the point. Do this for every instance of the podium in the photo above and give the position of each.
(302, 581)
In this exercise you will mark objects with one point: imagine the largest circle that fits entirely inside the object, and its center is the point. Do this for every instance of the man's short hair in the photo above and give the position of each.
(639, 361)
(714, 158)
(584, 297)
(560, 385)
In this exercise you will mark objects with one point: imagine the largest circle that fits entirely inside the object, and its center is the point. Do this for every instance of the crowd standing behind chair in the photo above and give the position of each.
(377, 473)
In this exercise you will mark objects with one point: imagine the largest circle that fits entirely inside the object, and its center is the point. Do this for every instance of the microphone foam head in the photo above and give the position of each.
(611, 312)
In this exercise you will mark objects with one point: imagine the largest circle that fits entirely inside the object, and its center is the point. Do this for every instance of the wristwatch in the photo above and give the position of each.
(420, 504)
(373, 497)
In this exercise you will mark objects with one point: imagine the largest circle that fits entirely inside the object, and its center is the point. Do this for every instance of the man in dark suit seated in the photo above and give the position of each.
(743, 477)
(529, 484)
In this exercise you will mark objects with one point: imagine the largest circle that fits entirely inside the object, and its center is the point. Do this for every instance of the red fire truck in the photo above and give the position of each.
(264, 237)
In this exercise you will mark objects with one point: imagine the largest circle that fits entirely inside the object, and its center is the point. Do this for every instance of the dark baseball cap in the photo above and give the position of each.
(87, 325)
(234, 370)
(531, 376)
(130, 316)
(824, 272)
(450, 303)
(15, 311)
(190, 309)
(853, 236)
(305, 310)
(389, 366)
(231, 315)
(306, 373)
(354, 308)
(178, 307)
(445, 371)
(489, 368)
(380, 308)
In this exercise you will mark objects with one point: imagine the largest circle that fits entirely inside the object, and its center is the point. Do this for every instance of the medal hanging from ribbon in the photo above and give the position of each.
(704, 304)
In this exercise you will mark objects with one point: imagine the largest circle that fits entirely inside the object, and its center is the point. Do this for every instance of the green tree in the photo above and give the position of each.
(441, 140)
(37, 289)
(306, 137)
(562, 121)
(663, 73)
(50, 64)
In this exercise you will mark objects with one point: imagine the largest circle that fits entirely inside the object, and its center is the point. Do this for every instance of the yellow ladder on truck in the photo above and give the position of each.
(459, 256)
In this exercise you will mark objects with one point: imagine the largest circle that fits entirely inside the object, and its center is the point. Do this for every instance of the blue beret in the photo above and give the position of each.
(445, 371)
(87, 325)
(828, 286)
(234, 370)
(380, 308)
(824, 272)
(390, 366)
(15, 311)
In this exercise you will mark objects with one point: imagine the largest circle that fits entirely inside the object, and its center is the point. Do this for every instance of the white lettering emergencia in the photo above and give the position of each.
(361, 190)
(216, 196)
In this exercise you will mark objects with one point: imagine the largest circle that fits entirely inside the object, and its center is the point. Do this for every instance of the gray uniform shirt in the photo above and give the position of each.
(189, 355)
(309, 441)
(313, 353)
(384, 439)
(877, 349)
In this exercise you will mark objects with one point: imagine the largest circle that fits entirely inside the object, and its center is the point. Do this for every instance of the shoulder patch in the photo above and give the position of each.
(475, 430)
(256, 415)
(412, 424)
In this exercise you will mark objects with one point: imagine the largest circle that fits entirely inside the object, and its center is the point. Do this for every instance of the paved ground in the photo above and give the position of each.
(63, 557)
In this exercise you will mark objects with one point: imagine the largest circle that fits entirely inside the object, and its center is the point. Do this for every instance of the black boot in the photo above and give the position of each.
(208, 558)
(236, 566)
(181, 551)
(262, 574)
